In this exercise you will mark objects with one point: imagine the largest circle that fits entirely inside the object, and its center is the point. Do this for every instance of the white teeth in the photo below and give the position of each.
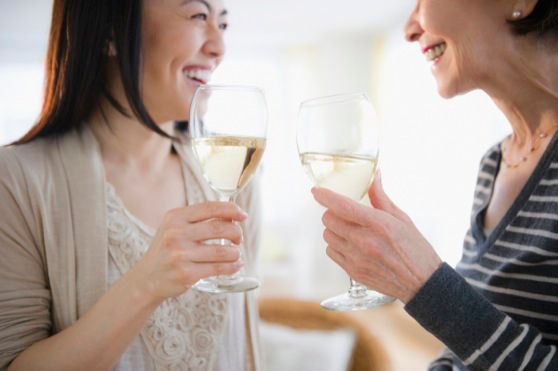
(435, 52)
(202, 75)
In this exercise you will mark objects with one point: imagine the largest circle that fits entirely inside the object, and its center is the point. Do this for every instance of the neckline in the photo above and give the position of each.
(146, 228)
(519, 202)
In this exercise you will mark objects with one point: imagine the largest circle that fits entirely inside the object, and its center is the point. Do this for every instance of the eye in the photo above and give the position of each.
(200, 16)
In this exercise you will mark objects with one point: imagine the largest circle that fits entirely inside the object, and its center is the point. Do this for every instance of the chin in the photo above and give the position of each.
(448, 91)
(445, 94)
(450, 86)
(180, 112)
(183, 116)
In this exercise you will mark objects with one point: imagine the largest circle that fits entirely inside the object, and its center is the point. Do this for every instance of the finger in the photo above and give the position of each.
(339, 226)
(335, 241)
(209, 210)
(380, 200)
(214, 230)
(212, 254)
(204, 270)
(337, 257)
(355, 242)
(343, 247)
(344, 207)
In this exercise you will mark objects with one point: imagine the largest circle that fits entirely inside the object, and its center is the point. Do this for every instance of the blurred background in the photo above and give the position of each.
(295, 50)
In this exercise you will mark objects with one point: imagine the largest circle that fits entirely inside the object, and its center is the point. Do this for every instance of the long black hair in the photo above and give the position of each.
(76, 64)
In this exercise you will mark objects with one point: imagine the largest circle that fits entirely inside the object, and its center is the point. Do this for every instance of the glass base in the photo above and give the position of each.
(218, 285)
(365, 300)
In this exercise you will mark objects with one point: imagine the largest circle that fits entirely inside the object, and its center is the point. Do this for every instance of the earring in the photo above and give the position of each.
(516, 14)
(110, 49)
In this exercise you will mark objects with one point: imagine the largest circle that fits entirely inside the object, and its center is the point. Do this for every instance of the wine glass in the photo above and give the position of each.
(337, 139)
(228, 137)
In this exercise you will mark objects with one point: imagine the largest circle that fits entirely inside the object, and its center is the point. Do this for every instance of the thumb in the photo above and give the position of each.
(380, 200)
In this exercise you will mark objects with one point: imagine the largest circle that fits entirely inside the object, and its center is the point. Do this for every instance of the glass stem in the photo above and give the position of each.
(356, 290)
(235, 277)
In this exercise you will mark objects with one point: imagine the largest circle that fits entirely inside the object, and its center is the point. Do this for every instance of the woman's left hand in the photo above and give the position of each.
(377, 246)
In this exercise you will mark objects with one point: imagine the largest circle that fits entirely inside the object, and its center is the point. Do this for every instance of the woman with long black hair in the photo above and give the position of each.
(102, 214)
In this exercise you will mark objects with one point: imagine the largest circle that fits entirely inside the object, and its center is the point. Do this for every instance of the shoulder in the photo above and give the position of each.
(28, 161)
(489, 162)
(492, 155)
(44, 158)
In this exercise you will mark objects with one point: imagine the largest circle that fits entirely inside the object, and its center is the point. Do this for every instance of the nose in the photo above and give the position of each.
(215, 44)
(412, 28)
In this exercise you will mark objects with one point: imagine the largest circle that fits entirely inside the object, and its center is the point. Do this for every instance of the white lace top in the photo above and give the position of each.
(194, 331)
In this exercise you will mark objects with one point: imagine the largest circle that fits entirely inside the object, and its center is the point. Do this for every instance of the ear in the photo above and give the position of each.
(522, 8)
(529, 6)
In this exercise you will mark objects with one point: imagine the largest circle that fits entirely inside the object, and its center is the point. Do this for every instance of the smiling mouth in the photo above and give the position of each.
(434, 52)
(198, 75)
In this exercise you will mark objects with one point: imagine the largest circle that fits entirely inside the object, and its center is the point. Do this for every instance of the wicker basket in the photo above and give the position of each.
(368, 353)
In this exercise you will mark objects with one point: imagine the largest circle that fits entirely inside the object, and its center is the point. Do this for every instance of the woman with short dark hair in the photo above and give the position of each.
(498, 310)
(103, 214)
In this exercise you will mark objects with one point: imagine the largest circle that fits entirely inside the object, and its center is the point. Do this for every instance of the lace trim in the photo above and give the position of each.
(183, 332)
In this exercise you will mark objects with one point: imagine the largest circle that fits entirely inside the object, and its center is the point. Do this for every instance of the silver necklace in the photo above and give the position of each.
(523, 158)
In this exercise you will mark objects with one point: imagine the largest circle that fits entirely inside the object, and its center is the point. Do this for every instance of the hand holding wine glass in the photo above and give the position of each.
(337, 141)
(228, 136)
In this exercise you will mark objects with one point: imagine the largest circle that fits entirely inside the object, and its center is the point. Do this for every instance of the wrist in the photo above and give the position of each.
(422, 278)
(141, 288)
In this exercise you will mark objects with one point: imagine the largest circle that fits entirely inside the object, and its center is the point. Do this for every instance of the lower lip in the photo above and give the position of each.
(436, 61)
(195, 82)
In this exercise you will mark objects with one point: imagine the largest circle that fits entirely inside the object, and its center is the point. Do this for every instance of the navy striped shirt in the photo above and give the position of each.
(499, 309)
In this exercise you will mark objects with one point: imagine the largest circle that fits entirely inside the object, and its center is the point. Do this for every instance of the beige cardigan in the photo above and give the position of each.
(53, 239)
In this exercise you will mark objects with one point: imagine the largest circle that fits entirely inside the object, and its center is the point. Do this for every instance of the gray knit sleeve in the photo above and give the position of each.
(480, 335)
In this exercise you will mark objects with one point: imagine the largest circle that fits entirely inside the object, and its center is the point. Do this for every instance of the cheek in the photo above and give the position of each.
(163, 60)
(183, 43)
(170, 48)
(458, 76)
(442, 18)
(471, 60)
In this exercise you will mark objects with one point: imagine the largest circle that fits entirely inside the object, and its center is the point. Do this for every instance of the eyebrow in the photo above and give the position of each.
(204, 2)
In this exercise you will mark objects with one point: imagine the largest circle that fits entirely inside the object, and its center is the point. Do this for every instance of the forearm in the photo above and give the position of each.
(98, 339)
(474, 329)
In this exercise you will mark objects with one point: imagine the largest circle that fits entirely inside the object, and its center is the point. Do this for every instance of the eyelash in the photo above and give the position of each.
(203, 17)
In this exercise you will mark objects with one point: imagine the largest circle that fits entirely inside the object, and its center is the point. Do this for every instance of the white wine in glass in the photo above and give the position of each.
(344, 174)
(337, 140)
(228, 137)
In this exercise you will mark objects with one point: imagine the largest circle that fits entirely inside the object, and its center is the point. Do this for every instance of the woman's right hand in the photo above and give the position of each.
(178, 256)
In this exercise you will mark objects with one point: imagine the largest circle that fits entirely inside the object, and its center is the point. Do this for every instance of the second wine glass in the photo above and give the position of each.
(338, 145)
(228, 137)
